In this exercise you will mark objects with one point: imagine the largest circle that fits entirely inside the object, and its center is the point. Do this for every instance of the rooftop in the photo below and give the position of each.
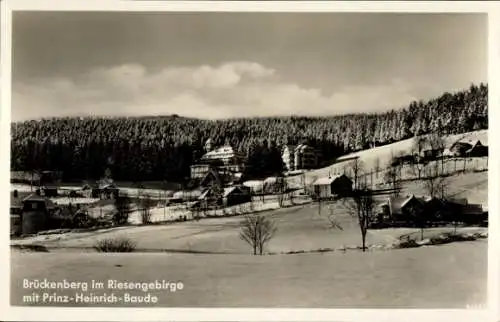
(327, 180)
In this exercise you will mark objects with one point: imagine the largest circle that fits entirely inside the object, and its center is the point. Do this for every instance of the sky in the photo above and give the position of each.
(220, 65)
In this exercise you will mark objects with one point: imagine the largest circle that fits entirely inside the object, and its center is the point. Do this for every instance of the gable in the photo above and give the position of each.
(342, 180)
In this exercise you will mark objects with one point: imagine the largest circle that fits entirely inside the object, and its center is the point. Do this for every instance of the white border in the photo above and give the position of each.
(493, 171)
(156, 314)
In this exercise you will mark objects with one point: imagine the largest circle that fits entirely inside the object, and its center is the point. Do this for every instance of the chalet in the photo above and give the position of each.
(225, 160)
(214, 177)
(457, 149)
(210, 198)
(462, 211)
(411, 209)
(29, 213)
(405, 208)
(434, 209)
(236, 195)
(228, 196)
(231, 159)
(477, 150)
(338, 185)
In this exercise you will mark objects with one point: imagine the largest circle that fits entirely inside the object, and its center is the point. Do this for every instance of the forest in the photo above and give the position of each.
(161, 148)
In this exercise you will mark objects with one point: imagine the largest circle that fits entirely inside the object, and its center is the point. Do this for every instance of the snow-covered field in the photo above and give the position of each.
(300, 228)
(384, 153)
(448, 276)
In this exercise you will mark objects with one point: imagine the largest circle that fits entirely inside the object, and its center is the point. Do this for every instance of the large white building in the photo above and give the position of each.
(299, 157)
(228, 158)
(225, 159)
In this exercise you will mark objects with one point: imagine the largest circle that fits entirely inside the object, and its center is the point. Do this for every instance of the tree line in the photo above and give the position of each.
(163, 147)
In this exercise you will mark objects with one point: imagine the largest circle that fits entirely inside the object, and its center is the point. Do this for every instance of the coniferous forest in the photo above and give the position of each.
(161, 148)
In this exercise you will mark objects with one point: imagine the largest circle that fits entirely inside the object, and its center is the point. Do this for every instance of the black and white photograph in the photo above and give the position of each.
(250, 159)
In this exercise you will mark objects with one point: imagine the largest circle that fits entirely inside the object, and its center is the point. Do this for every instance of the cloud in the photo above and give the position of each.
(233, 89)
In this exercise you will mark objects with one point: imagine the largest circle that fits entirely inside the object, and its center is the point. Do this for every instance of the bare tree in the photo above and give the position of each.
(122, 205)
(435, 184)
(356, 168)
(257, 231)
(377, 166)
(145, 203)
(437, 143)
(361, 205)
(392, 175)
(419, 144)
(334, 223)
(281, 187)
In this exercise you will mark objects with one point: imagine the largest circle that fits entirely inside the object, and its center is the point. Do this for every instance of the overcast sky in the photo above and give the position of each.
(216, 65)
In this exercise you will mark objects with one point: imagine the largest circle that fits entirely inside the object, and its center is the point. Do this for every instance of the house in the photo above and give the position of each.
(255, 186)
(299, 157)
(430, 153)
(215, 177)
(332, 186)
(433, 209)
(198, 171)
(231, 159)
(225, 160)
(211, 198)
(477, 150)
(288, 156)
(50, 191)
(186, 195)
(460, 210)
(16, 210)
(108, 190)
(25, 177)
(274, 184)
(406, 208)
(236, 195)
(305, 157)
(91, 190)
(228, 196)
(457, 149)
(29, 213)
(411, 209)
(36, 177)
(104, 189)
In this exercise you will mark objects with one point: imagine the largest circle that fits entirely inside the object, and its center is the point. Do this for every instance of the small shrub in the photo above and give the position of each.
(146, 216)
(447, 238)
(409, 243)
(31, 248)
(116, 245)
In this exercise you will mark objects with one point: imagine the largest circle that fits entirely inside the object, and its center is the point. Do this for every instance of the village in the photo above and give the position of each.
(40, 203)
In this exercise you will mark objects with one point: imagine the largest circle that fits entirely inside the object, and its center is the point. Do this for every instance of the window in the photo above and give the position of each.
(33, 206)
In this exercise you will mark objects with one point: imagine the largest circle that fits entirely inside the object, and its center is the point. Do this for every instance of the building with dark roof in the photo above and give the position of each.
(412, 209)
(29, 212)
(332, 186)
